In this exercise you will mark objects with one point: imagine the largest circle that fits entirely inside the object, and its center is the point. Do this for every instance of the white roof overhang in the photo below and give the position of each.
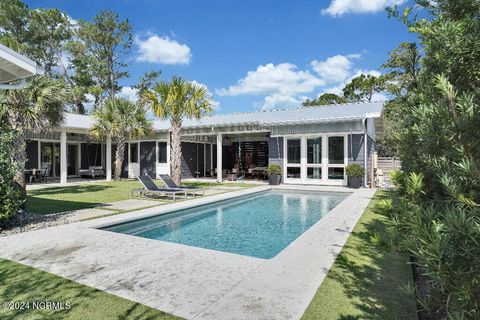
(14, 66)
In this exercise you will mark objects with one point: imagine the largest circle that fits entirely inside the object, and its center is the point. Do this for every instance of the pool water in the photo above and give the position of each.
(259, 225)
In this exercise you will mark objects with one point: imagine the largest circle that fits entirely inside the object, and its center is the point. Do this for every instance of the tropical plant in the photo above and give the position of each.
(122, 120)
(176, 100)
(354, 170)
(274, 169)
(11, 199)
(36, 107)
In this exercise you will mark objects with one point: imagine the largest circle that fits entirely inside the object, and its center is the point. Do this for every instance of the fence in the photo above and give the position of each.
(388, 164)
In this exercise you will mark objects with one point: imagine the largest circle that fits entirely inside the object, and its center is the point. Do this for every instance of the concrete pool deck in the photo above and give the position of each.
(191, 282)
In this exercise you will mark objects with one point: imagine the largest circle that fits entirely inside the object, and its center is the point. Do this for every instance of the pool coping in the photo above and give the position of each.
(188, 281)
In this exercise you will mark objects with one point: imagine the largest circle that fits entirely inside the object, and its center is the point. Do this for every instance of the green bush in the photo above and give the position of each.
(444, 239)
(11, 199)
(274, 169)
(354, 170)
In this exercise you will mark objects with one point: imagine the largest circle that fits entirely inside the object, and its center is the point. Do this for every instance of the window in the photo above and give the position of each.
(162, 152)
(335, 173)
(336, 150)
(314, 173)
(293, 172)
(314, 151)
(294, 147)
(293, 151)
(133, 152)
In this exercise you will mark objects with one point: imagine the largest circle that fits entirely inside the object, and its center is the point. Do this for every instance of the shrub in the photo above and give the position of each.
(11, 199)
(355, 170)
(274, 169)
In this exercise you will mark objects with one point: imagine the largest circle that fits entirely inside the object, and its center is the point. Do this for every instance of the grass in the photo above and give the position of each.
(365, 280)
(22, 283)
(89, 195)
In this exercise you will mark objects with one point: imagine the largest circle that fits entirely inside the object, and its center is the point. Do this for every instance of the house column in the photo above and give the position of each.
(219, 157)
(63, 157)
(108, 161)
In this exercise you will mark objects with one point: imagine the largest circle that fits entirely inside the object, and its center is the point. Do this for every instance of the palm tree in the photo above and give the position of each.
(122, 120)
(38, 106)
(176, 100)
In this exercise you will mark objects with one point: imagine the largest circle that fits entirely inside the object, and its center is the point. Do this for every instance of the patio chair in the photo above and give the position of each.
(150, 188)
(170, 184)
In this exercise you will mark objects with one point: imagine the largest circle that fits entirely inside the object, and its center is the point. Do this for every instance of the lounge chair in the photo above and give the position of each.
(150, 188)
(170, 184)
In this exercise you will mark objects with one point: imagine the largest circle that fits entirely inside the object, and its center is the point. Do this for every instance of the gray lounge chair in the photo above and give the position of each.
(170, 184)
(150, 188)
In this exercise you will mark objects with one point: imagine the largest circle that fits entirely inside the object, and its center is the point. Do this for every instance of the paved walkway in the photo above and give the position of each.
(192, 282)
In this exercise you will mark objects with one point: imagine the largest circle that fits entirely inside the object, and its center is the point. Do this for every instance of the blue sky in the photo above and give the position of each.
(253, 54)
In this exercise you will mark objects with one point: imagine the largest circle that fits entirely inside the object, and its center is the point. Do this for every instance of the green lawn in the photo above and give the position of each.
(88, 195)
(22, 284)
(365, 279)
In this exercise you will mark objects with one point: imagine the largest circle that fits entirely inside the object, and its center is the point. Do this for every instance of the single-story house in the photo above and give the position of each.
(313, 145)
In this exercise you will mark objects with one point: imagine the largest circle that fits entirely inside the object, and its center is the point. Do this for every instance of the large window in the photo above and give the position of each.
(336, 158)
(293, 151)
(314, 151)
(133, 152)
(294, 159)
(314, 158)
(336, 150)
(162, 152)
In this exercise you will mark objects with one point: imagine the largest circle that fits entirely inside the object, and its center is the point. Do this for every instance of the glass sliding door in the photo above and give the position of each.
(50, 158)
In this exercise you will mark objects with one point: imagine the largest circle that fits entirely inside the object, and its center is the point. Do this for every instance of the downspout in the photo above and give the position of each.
(365, 146)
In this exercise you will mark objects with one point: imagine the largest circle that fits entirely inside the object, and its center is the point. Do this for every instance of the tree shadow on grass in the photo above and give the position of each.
(44, 206)
(68, 190)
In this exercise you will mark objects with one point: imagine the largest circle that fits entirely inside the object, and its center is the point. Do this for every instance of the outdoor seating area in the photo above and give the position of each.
(151, 189)
(35, 175)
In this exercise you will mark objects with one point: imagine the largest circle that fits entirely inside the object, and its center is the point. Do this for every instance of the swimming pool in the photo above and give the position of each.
(259, 225)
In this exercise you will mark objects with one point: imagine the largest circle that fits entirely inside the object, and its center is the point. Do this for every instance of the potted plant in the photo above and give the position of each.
(355, 173)
(274, 174)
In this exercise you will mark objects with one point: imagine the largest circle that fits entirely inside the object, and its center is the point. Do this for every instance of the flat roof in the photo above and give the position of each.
(14, 66)
(303, 115)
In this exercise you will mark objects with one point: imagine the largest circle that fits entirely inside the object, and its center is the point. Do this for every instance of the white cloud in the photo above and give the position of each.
(284, 85)
(282, 78)
(277, 99)
(338, 88)
(341, 7)
(162, 50)
(335, 68)
(129, 93)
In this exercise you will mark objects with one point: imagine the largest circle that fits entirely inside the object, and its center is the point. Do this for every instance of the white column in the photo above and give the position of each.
(63, 157)
(219, 157)
(108, 161)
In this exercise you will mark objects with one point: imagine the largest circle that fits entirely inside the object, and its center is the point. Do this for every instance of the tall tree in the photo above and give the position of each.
(105, 43)
(176, 100)
(325, 99)
(363, 87)
(122, 120)
(36, 107)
